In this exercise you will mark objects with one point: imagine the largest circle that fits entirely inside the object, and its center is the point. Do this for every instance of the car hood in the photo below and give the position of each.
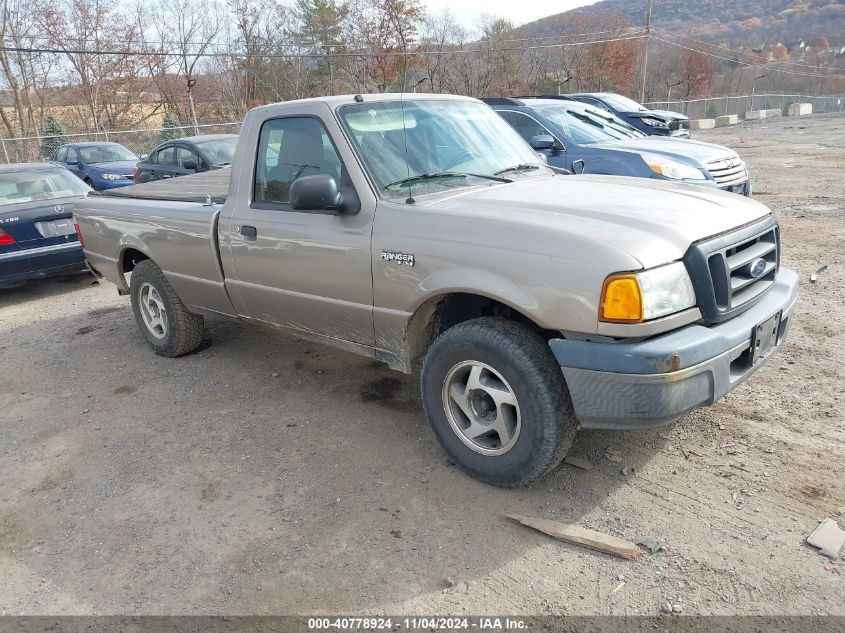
(664, 115)
(653, 221)
(675, 148)
(117, 166)
(669, 114)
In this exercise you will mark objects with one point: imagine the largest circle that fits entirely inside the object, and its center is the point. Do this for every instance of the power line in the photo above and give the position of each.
(237, 55)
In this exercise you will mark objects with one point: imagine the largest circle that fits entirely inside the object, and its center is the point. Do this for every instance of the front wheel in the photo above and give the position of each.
(164, 321)
(497, 402)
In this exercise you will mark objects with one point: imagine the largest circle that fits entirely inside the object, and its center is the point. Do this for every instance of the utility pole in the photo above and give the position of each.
(645, 52)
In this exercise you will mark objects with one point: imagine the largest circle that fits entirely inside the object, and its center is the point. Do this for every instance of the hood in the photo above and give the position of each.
(669, 114)
(117, 166)
(676, 148)
(653, 221)
(663, 115)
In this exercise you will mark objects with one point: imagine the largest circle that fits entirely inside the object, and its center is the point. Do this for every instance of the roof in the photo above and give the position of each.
(201, 138)
(335, 101)
(91, 143)
(18, 167)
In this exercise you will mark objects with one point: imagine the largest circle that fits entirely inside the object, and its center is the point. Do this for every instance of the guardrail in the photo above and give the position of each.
(711, 107)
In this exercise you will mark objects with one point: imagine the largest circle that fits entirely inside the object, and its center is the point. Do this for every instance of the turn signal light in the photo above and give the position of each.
(621, 300)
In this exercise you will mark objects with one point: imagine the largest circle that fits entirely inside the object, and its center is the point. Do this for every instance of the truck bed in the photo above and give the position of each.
(192, 188)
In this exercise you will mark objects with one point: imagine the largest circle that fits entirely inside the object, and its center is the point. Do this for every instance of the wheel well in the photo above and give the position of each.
(130, 258)
(437, 315)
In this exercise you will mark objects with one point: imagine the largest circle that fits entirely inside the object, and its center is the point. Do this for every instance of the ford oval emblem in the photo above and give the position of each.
(757, 267)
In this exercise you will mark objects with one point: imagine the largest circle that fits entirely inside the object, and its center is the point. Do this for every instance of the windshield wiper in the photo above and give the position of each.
(520, 167)
(444, 174)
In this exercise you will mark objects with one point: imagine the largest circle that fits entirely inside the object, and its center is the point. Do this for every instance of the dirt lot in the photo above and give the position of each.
(267, 475)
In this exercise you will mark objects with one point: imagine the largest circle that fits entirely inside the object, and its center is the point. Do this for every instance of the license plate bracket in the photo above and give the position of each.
(764, 337)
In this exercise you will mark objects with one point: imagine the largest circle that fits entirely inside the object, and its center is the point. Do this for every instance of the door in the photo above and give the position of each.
(74, 162)
(308, 270)
(163, 163)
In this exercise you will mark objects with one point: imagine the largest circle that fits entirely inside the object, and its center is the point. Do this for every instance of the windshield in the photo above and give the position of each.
(28, 186)
(92, 154)
(448, 144)
(624, 104)
(220, 151)
(580, 125)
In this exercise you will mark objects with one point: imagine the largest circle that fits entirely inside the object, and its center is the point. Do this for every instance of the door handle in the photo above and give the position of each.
(248, 232)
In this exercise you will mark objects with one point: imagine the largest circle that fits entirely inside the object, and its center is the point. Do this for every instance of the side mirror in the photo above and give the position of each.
(542, 141)
(314, 193)
(143, 157)
(190, 164)
(72, 162)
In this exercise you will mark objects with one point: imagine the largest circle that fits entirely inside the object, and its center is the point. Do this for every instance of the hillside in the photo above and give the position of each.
(741, 22)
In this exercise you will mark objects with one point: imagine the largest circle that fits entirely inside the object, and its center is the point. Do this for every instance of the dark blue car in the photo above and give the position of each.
(584, 139)
(100, 165)
(650, 122)
(38, 236)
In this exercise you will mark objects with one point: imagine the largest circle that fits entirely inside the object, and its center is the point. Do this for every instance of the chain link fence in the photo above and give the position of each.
(712, 107)
(29, 149)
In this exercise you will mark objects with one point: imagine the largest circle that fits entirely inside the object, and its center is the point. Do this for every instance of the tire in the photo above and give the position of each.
(164, 321)
(537, 429)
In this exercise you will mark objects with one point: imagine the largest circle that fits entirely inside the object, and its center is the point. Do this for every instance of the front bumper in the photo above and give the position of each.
(101, 184)
(44, 261)
(624, 385)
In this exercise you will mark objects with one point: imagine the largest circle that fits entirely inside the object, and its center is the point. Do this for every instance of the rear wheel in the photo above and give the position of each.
(497, 402)
(164, 321)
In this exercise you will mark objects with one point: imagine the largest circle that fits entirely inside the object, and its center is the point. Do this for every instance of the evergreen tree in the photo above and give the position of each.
(52, 135)
(172, 128)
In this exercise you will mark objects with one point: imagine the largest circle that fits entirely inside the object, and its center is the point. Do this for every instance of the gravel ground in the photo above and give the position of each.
(267, 475)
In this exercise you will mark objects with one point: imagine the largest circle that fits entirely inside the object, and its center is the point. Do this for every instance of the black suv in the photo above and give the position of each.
(651, 122)
(187, 156)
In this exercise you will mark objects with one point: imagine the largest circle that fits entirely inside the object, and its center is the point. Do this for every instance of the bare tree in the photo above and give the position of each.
(25, 75)
(181, 33)
(97, 41)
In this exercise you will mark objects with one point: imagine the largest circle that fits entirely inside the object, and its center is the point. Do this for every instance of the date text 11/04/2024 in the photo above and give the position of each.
(418, 623)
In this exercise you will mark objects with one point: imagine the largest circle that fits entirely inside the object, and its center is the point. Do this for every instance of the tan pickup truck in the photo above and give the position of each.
(424, 228)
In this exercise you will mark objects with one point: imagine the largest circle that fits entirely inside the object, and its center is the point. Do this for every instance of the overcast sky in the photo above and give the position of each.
(518, 11)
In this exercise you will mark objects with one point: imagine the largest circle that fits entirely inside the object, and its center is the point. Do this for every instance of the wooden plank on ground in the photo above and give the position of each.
(578, 535)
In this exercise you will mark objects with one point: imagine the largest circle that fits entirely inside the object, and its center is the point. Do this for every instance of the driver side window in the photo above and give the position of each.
(288, 149)
(523, 124)
(61, 155)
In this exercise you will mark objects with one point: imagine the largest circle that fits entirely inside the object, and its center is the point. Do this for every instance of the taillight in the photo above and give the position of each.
(5, 238)
(78, 233)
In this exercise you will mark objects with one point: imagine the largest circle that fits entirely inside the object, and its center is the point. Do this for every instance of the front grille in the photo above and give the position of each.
(683, 124)
(674, 125)
(727, 171)
(721, 268)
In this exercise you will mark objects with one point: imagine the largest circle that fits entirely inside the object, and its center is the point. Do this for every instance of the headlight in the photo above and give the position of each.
(672, 168)
(655, 123)
(111, 176)
(650, 294)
